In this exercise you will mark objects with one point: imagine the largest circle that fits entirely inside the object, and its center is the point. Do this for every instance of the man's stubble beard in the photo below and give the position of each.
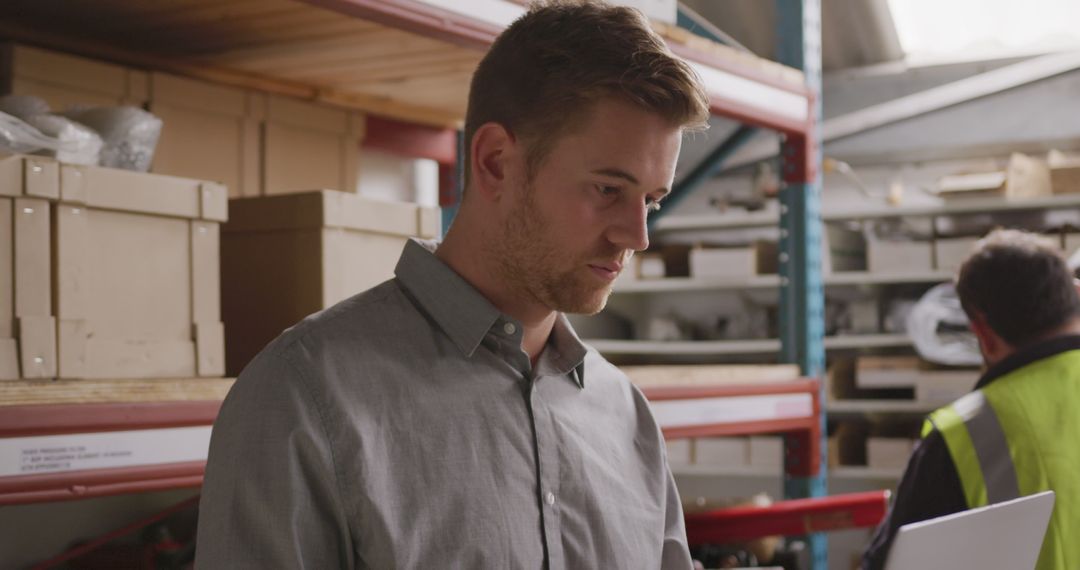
(528, 260)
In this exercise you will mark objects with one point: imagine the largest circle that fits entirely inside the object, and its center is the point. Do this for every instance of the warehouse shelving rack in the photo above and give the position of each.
(303, 49)
(791, 408)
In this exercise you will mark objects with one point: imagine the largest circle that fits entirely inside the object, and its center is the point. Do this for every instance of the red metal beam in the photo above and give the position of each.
(411, 140)
(72, 485)
(457, 29)
(22, 421)
(788, 518)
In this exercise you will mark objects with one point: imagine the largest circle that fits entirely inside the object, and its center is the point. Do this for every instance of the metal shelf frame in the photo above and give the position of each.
(101, 418)
(792, 409)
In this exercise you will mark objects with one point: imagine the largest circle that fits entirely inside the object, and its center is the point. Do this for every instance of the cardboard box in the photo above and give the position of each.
(767, 452)
(888, 452)
(951, 253)
(733, 262)
(649, 266)
(842, 249)
(64, 80)
(210, 132)
(679, 451)
(897, 257)
(1064, 173)
(865, 316)
(307, 146)
(1023, 177)
(722, 451)
(944, 386)
(317, 248)
(137, 275)
(28, 185)
(887, 371)
(849, 441)
(1071, 243)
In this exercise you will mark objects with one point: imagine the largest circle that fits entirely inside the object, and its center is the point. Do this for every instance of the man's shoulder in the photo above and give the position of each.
(381, 311)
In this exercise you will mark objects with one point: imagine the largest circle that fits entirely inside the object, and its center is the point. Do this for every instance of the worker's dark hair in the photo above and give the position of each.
(546, 70)
(1020, 284)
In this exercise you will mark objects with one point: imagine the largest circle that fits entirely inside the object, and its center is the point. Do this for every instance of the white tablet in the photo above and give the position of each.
(1003, 536)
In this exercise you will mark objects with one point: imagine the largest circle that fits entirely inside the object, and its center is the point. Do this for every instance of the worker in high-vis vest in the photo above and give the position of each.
(1018, 432)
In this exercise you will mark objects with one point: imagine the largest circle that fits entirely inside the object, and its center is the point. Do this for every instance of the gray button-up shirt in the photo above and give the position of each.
(406, 428)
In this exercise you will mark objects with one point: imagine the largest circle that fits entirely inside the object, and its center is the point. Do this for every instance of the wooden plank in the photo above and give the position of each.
(349, 42)
(29, 392)
(37, 346)
(7, 269)
(138, 358)
(205, 273)
(41, 177)
(210, 349)
(9, 359)
(33, 258)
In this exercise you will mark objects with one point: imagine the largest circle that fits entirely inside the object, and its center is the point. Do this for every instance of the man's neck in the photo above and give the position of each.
(536, 320)
(1072, 327)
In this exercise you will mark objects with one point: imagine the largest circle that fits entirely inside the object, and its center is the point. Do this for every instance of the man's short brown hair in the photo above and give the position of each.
(547, 69)
(1020, 283)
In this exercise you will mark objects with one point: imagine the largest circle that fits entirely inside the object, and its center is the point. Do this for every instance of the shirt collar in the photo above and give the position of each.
(458, 308)
(466, 316)
(1028, 355)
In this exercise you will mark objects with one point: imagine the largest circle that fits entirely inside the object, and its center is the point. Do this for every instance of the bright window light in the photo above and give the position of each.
(936, 30)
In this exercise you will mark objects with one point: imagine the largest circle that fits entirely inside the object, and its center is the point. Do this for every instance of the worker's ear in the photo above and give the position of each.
(992, 345)
(493, 159)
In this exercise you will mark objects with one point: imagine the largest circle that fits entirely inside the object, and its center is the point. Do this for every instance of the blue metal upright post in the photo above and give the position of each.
(450, 196)
(801, 296)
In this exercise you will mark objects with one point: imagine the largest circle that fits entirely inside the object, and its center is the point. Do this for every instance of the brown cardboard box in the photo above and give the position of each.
(722, 451)
(679, 451)
(734, 262)
(309, 146)
(316, 248)
(767, 452)
(887, 371)
(944, 386)
(27, 328)
(951, 253)
(137, 277)
(1064, 173)
(210, 132)
(888, 452)
(896, 257)
(64, 80)
(1023, 177)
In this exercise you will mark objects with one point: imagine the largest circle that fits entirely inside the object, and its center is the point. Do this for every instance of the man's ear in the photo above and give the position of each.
(989, 341)
(492, 152)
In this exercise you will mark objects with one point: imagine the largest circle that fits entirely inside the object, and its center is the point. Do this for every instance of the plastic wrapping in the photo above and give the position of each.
(941, 331)
(77, 144)
(44, 133)
(17, 136)
(130, 135)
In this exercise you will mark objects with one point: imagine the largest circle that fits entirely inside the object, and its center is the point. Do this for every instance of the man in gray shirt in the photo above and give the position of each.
(451, 417)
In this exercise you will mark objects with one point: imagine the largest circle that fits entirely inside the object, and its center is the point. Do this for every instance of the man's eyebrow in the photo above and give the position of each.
(617, 173)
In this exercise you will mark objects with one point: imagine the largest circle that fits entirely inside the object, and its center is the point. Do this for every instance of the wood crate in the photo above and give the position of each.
(28, 185)
(285, 257)
(308, 146)
(112, 274)
(137, 283)
(64, 80)
(210, 132)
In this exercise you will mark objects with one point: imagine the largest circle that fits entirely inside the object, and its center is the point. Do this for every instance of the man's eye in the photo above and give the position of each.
(607, 190)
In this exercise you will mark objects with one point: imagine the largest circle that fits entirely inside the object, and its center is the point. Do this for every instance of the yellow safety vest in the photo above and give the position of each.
(1020, 435)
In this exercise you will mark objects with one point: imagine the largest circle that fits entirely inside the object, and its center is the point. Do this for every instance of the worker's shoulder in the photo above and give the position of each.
(351, 327)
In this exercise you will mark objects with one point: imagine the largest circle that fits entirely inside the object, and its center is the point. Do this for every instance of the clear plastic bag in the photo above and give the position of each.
(77, 144)
(130, 135)
(941, 331)
(17, 136)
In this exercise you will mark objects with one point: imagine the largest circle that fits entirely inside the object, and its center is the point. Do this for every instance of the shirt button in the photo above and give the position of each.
(550, 499)
(509, 328)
